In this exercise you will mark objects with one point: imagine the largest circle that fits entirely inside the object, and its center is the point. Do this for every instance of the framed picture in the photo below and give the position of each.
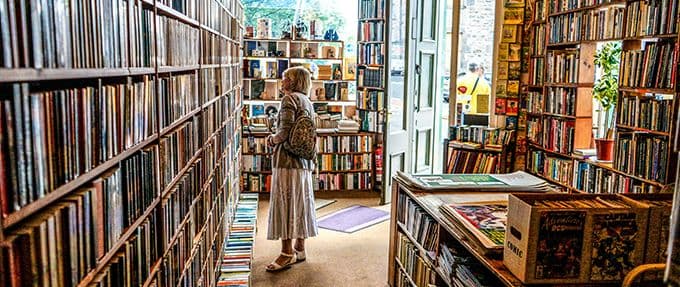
(514, 15)
(509, 34)
(503, 52)
(514, 52)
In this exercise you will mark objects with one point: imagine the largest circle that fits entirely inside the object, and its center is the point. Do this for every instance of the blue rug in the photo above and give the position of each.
(353, 218)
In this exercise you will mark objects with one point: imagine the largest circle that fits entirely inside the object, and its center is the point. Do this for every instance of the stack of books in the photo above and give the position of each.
(348, 126)
(238, 250)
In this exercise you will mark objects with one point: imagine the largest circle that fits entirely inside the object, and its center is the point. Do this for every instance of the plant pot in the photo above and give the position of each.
(604, 149)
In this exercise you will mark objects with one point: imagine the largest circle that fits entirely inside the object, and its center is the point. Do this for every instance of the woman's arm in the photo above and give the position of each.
(286, 120)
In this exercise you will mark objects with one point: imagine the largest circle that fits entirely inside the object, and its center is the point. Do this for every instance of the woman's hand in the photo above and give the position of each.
(270, 140)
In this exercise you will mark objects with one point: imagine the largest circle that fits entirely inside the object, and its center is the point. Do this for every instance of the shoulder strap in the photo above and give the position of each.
(475, 86)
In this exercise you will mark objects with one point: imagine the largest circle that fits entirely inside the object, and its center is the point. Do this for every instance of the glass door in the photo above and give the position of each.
(397, 139)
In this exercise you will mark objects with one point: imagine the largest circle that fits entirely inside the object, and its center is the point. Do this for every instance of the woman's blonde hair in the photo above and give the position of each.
(300, 79)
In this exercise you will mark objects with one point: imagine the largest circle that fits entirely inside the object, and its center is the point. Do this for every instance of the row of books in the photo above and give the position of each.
(255, 182)
(371, 9)
(344, 143)
(255, 145)
(652, 67)
(256, 163)
(461, 269)
(562, 66)
(649, 18)
(413, 262)
(536, 76)
(344, 181)
(603, 24)
(371, 100)
(333, 91)
(215, 82)
(264, 68)
(558, 6)
(372, 53)
(221, 16)
(176, 149)
(340, 162)
(51, 137)
(594, 179)
(538, 41)
(418, 223)
(95, 35)
(372, 32)
(556, 169)
(642, 155)
(217, 50)
(651, 112)
(178, 43)
(261, 48)
(534, 102)
(370, 77)
(565, 28)
(178, 97)
(478, 136)
(371, 121)
(561, 101)
(558, 134)
(237, 253)
(214, 115)
(465, 161)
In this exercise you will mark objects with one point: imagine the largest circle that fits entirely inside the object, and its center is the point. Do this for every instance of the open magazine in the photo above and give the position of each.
(518, 181)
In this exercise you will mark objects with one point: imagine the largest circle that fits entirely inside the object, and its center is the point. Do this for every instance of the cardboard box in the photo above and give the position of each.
(562, 245)
(659, 207)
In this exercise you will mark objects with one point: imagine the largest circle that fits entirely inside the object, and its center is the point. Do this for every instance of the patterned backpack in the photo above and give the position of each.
(302, 136)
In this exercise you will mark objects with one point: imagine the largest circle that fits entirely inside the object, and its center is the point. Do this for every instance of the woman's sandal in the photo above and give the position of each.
(272, 267)
(300, 255)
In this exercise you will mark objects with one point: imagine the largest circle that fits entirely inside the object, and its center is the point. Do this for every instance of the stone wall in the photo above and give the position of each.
(476, 34)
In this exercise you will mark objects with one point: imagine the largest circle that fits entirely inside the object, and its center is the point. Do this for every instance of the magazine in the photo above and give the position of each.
(485, 220)
(517, 181)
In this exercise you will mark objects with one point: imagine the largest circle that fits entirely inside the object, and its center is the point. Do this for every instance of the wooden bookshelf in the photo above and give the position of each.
(206, 67)
(353, 145)
(583, 44)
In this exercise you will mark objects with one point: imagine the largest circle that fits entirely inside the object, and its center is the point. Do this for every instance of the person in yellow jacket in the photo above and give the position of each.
(469, 86)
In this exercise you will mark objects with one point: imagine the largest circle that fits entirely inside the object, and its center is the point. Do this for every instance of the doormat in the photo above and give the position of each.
(321, 203)
(353, 218)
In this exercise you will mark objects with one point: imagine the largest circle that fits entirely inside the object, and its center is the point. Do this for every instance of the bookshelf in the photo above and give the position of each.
(479, 149)
(646, 108)
(128, 175)
(344, 162)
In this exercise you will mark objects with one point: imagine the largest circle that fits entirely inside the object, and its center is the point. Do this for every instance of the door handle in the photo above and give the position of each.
(418, 69)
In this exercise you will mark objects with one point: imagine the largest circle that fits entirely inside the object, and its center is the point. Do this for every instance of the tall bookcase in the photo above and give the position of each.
(371, 80)
(560, 100)
(345, 159)
(119, 141)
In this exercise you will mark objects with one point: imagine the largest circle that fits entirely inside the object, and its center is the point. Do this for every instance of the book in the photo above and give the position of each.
(516, 181)
(560, 243)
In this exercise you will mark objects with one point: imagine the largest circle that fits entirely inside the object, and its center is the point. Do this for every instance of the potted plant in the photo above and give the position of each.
(605, 91)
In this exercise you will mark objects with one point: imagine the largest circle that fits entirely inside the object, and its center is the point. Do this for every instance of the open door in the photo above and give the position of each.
(423, 88)
(397, 136)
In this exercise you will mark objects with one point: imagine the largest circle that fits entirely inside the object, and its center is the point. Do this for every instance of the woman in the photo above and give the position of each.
(291, 206)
